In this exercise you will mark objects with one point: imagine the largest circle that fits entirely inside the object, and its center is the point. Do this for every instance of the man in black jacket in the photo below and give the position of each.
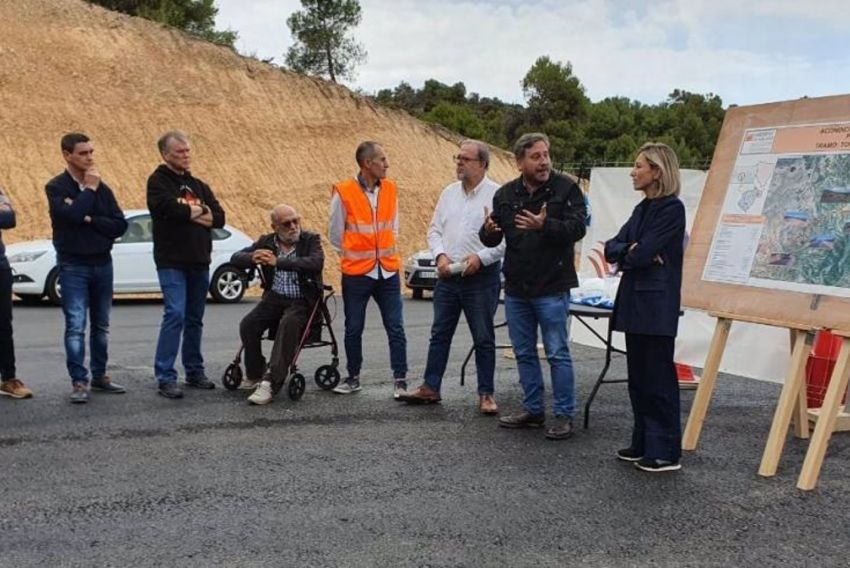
(290, 262)
(86, 221)
(183, 210)
(540, 215)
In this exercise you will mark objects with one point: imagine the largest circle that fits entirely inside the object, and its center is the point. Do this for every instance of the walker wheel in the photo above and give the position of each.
(297, 386)
(327, 377)
(232, 377)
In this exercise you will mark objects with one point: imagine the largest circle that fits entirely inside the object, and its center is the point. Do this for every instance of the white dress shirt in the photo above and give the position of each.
(456, 221)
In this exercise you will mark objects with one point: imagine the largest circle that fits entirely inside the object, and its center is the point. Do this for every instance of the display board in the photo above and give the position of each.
(754, 351)
(771, 239)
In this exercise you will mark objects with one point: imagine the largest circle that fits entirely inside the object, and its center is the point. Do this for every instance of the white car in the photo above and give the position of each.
(35, 273)
(420, 273)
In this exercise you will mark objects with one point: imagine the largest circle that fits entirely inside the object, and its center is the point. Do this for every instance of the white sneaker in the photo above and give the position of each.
(262, 394)
(349, 386)
(249, 384)
(400, 389)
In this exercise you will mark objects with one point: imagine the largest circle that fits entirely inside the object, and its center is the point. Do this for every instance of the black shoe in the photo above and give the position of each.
(105, 384)
(561, 428)
(656, 465)
(522, 420)
(201, 382)
(170, 390)
(629, 455)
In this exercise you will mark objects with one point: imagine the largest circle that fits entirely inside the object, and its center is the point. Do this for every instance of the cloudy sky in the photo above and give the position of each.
(746, 51)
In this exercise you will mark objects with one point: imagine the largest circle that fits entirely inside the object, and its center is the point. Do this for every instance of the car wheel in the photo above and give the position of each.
(227, 285)
(52, 289)
(417, 293)
(29, 299)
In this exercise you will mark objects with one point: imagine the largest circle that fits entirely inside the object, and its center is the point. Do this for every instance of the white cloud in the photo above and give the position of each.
(738, 50)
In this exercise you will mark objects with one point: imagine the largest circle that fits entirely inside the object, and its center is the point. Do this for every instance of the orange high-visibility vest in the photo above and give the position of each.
(367, 240)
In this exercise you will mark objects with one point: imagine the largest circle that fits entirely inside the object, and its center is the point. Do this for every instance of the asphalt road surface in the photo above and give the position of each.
(361, 480)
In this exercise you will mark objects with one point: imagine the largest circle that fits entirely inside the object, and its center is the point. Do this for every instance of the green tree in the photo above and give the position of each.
(557, 105)
(196, 17)
(456, 117)
(553, 92)
(322, 44)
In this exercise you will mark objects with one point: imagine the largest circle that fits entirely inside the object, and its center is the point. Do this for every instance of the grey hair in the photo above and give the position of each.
(528, 140)
(163, 141)
(274, 212)
(365, 151)
(483, 151)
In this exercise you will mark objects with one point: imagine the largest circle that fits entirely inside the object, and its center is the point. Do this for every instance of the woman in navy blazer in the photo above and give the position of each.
(648, 251)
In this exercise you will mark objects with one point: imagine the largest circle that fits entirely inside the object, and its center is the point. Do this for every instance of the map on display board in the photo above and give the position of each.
(785, 220)
(771, 239)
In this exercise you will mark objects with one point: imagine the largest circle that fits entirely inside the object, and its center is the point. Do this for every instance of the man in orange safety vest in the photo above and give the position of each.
(363, 230)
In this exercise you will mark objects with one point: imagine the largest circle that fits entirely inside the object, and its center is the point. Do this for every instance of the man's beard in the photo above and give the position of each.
(289, 241)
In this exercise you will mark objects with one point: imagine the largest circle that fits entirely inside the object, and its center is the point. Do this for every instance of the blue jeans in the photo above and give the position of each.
(550, 313)
(86, 289)
(184, 295)
(477, 297)
(356, 291)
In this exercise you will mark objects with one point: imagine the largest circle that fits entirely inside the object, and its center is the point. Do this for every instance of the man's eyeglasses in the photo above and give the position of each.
(464, 159)
(289, 223)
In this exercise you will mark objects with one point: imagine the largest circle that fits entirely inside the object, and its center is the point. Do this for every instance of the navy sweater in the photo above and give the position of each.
(77, 241)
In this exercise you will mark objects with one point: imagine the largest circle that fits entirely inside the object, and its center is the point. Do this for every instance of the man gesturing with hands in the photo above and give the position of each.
(540, 216)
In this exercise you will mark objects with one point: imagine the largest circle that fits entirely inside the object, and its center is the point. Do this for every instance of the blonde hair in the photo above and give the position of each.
(662, 157)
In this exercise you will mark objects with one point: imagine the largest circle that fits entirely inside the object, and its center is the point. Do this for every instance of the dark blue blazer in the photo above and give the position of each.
(649, 297)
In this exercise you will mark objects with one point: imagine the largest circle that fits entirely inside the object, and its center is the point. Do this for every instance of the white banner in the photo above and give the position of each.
(755, 351)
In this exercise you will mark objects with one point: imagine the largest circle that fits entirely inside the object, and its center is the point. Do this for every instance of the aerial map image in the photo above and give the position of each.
(806, 236)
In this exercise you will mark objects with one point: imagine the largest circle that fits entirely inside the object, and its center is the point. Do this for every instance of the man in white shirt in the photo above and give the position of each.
(468, 276)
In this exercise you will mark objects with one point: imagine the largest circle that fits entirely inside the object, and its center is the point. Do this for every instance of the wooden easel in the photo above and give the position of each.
(790, 407)
(796, 375)
(828, 415)
(789, 128)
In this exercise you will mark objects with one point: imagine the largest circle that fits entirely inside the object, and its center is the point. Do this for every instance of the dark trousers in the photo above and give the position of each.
(654, 392)
(290, 316)
(477, 297)
(7, 344)
(356, 291)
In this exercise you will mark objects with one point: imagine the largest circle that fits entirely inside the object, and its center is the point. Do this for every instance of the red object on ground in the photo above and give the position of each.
(685, 373)
(819, 368)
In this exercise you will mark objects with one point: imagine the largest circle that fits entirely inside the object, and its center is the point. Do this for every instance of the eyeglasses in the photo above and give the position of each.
(289, 223)
(464, 159)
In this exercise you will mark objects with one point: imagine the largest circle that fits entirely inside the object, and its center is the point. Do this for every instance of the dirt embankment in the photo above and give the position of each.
(261, 136)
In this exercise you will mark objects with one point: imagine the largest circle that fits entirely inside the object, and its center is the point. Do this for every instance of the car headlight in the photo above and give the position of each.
(26, 256)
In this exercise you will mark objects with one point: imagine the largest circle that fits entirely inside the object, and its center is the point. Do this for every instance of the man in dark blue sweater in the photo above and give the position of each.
(86, 221)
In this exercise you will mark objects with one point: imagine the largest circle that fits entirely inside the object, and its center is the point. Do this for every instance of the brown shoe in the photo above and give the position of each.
(487, 404)
(15, 388)
(561, 428)
(422, 395)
